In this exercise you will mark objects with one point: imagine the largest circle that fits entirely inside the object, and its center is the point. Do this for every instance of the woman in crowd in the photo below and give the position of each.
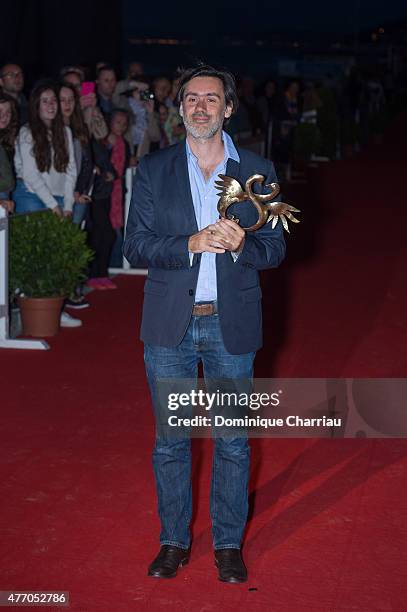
(8, 131)
(111, 157)
(88, 102)
(45, 163)
(162, 90)
(165, 92)
(44, 158)
(72, 116)
(172, 98)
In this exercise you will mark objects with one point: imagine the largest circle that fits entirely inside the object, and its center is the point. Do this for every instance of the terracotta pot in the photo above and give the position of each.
(40, 316)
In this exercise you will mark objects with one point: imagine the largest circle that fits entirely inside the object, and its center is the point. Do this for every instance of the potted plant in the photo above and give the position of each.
(48, 257)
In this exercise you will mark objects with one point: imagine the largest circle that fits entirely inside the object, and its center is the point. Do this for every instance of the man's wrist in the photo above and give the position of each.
(236, 254)
(191, 243)
(240, 247)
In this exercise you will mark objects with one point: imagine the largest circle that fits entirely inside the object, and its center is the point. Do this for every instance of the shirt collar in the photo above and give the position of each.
(230, 149)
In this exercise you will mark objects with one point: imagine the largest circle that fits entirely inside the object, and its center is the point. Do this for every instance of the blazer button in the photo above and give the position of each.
(191, 292)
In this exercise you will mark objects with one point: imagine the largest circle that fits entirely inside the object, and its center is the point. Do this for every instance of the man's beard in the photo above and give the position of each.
(205, 131)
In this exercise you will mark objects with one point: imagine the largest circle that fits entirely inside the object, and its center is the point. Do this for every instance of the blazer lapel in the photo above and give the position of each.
(184, 187)
(232, 168)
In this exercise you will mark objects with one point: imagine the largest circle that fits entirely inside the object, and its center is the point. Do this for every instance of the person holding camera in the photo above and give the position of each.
(144, 133)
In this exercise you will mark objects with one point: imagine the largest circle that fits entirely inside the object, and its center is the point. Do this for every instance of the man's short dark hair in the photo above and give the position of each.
(119, 111)
(204, 70)
(105, 68)
(72, 70)
(10, 63)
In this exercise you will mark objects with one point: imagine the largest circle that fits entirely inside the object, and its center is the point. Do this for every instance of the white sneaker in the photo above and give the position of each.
(67, 321)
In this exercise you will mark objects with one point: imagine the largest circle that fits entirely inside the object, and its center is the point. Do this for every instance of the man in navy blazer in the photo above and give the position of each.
(202, 302)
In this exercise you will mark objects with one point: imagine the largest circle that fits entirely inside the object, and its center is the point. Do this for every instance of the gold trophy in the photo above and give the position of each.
(231, 192)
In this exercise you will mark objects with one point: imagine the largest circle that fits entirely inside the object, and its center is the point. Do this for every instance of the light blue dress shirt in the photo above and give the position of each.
(205, 199)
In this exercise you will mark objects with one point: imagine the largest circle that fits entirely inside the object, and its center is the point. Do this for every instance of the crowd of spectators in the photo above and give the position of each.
(298, 120)
(67, 147)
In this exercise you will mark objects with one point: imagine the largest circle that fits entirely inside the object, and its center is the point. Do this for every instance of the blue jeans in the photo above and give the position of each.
(79, 212)
(172, 457)
(26, 201)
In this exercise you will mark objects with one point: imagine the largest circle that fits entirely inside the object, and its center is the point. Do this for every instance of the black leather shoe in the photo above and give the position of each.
(230, 565)
(167, 562)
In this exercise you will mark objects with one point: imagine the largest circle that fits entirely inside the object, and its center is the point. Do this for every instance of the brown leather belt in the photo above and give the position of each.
(204, 310)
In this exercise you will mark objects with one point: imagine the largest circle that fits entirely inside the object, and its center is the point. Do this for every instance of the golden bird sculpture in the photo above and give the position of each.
(231, 192)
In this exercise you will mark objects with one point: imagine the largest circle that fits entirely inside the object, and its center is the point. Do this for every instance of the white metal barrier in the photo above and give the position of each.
(5, 341)
(126, 268)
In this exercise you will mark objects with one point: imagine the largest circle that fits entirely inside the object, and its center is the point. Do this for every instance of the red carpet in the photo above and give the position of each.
(328, 517)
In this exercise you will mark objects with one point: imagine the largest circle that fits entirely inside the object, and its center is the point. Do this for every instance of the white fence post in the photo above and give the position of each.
(5, 341)
(126, 268)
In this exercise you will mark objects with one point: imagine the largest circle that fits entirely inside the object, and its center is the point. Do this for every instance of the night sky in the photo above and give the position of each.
(33, 33)
(198, 17)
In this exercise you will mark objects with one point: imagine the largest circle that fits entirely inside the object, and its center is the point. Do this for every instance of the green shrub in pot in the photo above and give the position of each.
(48, 256)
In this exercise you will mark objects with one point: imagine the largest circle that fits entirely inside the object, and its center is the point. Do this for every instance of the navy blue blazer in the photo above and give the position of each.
(161, 220)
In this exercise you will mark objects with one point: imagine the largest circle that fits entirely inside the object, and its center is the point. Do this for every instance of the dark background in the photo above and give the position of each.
(257, 37)
(44, 35)
(257, 15)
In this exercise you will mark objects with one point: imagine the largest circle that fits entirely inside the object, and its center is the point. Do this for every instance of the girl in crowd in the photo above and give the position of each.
(44, 158)
(44, 162)
(72, 117)
(92, 115)
(8, 132)
(111, 157)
